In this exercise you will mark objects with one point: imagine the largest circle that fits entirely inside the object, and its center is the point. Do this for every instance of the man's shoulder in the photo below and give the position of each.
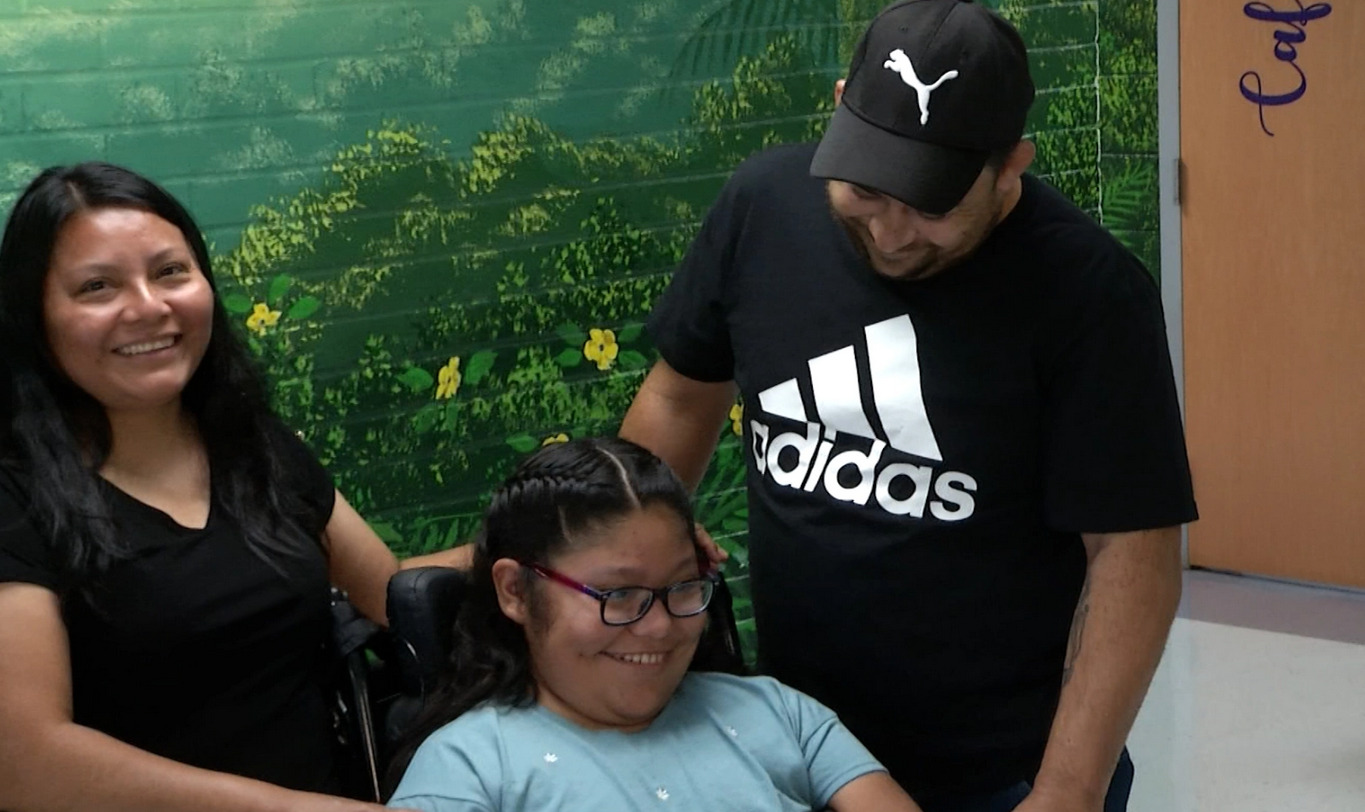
(770, 195)
(782, 156)
(781, 165)
(1052, 216)
(1070, 245)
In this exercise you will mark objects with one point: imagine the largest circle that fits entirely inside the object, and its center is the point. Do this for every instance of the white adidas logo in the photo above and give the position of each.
(893, 356)
(898, 401)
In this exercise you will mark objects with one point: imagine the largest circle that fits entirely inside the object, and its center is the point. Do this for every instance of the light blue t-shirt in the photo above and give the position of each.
(748, 744)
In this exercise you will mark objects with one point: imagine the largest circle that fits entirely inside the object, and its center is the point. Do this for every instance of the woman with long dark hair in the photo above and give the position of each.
(166, 544)
(570, 685)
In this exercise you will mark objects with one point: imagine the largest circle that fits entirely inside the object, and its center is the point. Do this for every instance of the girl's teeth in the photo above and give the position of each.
(641, 659)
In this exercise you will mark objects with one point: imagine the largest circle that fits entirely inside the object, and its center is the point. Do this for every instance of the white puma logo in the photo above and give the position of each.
(900, 63)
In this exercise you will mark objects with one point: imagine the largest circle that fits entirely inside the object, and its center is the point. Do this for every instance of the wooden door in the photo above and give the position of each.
(1272, 119)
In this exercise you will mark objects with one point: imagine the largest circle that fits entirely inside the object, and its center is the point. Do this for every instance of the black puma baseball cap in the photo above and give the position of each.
(935, 87)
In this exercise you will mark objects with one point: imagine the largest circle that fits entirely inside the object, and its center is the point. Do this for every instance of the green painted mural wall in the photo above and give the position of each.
(441, 223)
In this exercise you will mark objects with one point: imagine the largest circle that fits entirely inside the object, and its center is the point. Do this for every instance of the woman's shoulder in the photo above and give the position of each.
(16, 497)
(715, 686)
(461, 760)
(718, 680)
(305, 478)
(12, 492)
(25, 552)
(478, 730)
(16, 506)
(747, 695)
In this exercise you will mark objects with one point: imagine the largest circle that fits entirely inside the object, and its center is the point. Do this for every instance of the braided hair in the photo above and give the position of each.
(556, 496)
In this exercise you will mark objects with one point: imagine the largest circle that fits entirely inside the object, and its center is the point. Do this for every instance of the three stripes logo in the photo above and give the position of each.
(855, 474)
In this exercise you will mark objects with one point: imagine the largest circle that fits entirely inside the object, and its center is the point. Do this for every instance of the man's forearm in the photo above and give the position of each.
(684, 444)
(678, 419)
(1122, 619)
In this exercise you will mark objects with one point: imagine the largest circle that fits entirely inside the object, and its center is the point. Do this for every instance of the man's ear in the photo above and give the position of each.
(1016, 163)
(838, 92)
(511, 589)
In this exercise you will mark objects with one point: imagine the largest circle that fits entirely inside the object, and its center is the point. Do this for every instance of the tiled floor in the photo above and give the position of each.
(1259, 704)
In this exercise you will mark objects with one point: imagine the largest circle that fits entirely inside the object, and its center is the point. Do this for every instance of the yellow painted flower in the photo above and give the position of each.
(261, 317)
(555, 438)
(736, 418)
(448, 379)
(601, 347)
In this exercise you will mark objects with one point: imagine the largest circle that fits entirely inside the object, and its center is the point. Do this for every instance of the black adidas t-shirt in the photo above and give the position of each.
(195, 649)
(922, 457)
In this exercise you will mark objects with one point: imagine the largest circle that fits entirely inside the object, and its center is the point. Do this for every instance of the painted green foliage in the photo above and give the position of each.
(1095, 117)
(503, 296)
(448, 291)
(1128, 133)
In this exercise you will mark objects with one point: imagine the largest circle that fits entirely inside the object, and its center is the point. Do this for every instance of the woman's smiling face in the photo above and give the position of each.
(127, 311)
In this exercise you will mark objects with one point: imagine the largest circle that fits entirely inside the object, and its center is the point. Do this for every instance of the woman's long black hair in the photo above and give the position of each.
(556, 495)
(54, 436)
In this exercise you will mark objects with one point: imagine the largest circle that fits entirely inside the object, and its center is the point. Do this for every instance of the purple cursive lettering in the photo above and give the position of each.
(1288, 37)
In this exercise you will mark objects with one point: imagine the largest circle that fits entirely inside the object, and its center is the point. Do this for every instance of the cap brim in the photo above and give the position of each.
(926, 177)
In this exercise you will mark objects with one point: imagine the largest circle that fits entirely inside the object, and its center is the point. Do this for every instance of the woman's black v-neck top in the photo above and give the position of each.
(194, 648)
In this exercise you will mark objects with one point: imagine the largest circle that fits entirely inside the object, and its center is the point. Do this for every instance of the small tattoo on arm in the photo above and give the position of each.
(1073, 643)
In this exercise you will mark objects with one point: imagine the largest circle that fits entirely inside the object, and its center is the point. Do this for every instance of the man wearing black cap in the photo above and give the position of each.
(966, 466)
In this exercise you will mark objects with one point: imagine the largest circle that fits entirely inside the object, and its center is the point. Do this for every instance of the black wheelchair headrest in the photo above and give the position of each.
(422, 605)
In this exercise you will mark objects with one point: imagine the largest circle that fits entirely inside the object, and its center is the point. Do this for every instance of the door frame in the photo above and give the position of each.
(1168, 174)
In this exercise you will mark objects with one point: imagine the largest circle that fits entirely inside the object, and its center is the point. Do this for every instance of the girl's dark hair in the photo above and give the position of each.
(556, 496)
(54, 436)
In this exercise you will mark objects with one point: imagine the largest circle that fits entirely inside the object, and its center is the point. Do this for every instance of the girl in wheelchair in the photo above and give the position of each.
(571, 684)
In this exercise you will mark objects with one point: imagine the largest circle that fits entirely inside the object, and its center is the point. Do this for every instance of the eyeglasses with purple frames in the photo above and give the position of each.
(625, 605)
